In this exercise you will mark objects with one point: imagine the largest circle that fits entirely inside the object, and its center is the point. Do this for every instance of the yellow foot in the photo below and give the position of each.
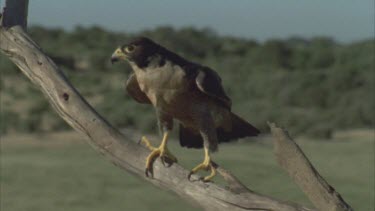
(206, 165)
(162, 152)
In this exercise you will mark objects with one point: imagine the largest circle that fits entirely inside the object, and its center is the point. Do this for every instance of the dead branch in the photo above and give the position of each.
(19, 7)
(126, 154)
(118, 148)
(292, 159)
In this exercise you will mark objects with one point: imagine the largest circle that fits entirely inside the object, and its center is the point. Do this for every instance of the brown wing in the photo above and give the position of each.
(209, 82)
(133, 89)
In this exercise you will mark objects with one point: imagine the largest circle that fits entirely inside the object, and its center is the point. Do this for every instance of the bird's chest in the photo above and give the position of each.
(162, 85)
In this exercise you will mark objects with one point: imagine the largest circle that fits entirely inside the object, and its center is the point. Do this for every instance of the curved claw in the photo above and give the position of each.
(205, 179)
(204, 166)
(149, 173)
(168, 159)
(162, 151)
(189, 175)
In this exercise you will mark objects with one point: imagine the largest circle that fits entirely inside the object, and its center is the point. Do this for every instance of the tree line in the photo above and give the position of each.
(312, 86)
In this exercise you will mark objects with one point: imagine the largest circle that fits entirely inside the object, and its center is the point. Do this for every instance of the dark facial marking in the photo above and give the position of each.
(140, 50)
(145, 49)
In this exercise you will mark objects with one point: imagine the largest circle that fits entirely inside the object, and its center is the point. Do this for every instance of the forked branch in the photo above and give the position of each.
(122, 151)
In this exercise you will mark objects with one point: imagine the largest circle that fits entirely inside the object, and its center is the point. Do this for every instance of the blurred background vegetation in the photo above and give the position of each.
(314, 87)
(311, 86)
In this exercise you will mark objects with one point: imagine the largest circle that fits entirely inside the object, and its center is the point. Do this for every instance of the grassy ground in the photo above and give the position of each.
(46, 172)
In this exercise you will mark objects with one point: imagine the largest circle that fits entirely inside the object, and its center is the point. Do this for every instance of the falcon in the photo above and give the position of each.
(184, 91)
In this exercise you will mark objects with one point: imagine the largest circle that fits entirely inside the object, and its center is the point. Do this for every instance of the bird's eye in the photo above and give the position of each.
(129, 48)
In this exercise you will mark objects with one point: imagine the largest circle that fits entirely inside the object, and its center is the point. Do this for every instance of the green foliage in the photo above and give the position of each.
(312, 86)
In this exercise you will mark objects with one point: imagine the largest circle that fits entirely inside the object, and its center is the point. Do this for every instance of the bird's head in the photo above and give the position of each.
(137, 51)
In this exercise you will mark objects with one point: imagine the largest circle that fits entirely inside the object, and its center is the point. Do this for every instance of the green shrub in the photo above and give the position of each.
(311, 86)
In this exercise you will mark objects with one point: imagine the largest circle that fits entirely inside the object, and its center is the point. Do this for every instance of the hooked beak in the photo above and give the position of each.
(117, 55)
(114, 59)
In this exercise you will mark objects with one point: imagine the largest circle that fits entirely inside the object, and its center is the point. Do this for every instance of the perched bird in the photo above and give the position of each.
(184, 91)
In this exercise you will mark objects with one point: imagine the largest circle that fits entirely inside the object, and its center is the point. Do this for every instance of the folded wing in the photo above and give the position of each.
(209, 82)
(133, 89)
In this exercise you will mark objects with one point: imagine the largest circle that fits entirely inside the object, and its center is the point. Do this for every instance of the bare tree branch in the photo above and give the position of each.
(124, 153)
(292, 159)
(118, 148)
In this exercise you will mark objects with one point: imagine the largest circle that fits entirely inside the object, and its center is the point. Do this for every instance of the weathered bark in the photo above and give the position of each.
(292, 159)
(124, 153)
(118, 148)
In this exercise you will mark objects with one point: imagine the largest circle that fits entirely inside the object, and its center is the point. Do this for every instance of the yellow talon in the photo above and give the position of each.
(205, 165)
(162, 152)
(147, 143)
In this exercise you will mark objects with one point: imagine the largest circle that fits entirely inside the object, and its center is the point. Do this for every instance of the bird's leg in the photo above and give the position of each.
(161, 151)
(147, 143)
(205, 165)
